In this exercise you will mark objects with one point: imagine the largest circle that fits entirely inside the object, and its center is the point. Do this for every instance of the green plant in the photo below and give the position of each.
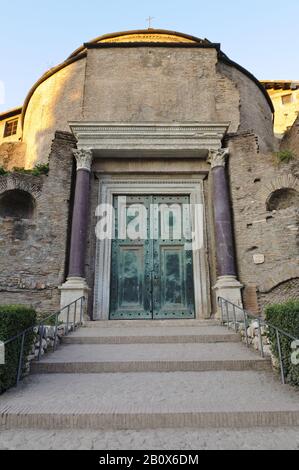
(13, 320)
(286, 317)
(2, 171)
(285, 156)
(39, 169)
(18, 169)
(47, 320)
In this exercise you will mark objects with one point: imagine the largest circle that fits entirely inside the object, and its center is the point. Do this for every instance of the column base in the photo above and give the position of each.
(229, 288)
(73, 289)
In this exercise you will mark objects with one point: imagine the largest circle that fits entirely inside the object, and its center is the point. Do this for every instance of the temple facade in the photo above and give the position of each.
(165, 189)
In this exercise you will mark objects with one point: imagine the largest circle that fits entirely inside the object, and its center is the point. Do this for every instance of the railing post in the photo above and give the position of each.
(227, 313)
(280, 357)
(261, 338)
(220, 302)
(245, 326)
(21, 359)
(56, 332)
(41, 335)
(75, 314)
(81, 310)
(67, 321)
(235, 318)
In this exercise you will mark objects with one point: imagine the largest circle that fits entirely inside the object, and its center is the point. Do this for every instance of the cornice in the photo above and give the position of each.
(149, 136)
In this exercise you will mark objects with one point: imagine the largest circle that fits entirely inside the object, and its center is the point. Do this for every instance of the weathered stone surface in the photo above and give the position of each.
(165, 84)
(275, 234)
(32, 265)
(12, 154)
(144, 84)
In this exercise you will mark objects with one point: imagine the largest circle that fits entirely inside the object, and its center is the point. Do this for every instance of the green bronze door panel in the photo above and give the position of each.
(173, 290)
(131, 296)
(152, 276)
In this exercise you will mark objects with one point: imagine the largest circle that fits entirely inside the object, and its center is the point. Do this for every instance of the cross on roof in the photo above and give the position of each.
(149, 19)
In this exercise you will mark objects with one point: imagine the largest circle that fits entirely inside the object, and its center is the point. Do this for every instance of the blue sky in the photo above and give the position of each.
(36, 35)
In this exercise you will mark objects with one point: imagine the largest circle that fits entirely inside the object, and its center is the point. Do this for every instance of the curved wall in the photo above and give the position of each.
(55, 102)
(135, 84)
(255, 113)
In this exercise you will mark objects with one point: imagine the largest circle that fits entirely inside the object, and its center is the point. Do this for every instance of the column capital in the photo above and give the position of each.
(218, 157)
(83, 158)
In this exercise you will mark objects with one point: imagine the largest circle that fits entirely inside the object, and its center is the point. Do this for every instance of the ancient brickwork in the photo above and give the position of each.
(266, 241)
(254, 112)
(291, 139)
(12, 155)
(286, 291)
(33, 251)
(143, 84)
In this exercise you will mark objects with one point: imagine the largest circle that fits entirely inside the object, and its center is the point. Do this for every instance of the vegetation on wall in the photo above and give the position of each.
(285, 156)
(13, 320)
(285, 317)
(38, 170)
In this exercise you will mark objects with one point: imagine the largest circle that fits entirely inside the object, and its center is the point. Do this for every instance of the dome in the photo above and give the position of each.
(139, 38)
(150, 36)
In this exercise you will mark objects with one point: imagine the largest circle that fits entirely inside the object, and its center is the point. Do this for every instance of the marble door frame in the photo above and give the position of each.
(192, 187)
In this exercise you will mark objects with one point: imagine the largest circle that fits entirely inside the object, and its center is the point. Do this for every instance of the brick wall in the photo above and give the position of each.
(33, 252)
(266, 242)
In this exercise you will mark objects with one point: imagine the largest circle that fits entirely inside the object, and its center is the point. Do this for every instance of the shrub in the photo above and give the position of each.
(2, 171)
(39, 169)
(286, 317)
(285, 156)
(13, 320)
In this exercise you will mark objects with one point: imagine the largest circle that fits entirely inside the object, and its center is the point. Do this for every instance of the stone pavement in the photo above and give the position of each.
(158, 439)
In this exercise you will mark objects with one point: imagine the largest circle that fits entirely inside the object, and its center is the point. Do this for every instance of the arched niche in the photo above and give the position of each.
(17, 204)
(283, 198)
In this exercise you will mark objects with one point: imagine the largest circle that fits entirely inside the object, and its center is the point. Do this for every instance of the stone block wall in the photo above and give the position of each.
(12, 154)
(34, 251)
(266, 241)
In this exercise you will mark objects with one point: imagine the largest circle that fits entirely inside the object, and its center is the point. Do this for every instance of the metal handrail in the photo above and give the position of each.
(223, 303)
(40, 332)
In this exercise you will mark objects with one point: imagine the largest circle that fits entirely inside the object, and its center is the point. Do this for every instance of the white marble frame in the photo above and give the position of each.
(108, 188)
(149, 136)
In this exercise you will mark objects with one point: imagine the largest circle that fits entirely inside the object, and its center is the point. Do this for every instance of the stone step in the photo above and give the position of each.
(158, 334)
(98, 358)
(150, 401)
(150, 323)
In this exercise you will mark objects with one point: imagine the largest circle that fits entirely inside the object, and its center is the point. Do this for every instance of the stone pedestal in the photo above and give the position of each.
(229, 288)
(73, 289)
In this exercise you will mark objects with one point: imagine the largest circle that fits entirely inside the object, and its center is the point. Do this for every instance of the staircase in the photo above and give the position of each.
(149, 375)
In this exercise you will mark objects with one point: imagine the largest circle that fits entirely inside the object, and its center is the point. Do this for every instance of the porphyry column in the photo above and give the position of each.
(76, 287)
(227, 285)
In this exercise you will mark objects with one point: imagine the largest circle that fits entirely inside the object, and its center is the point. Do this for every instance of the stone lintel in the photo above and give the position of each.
(149, 136)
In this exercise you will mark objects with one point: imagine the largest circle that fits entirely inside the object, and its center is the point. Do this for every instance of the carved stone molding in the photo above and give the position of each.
(218, 157)
(149, 136)
(83, 158)
(108, 188)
